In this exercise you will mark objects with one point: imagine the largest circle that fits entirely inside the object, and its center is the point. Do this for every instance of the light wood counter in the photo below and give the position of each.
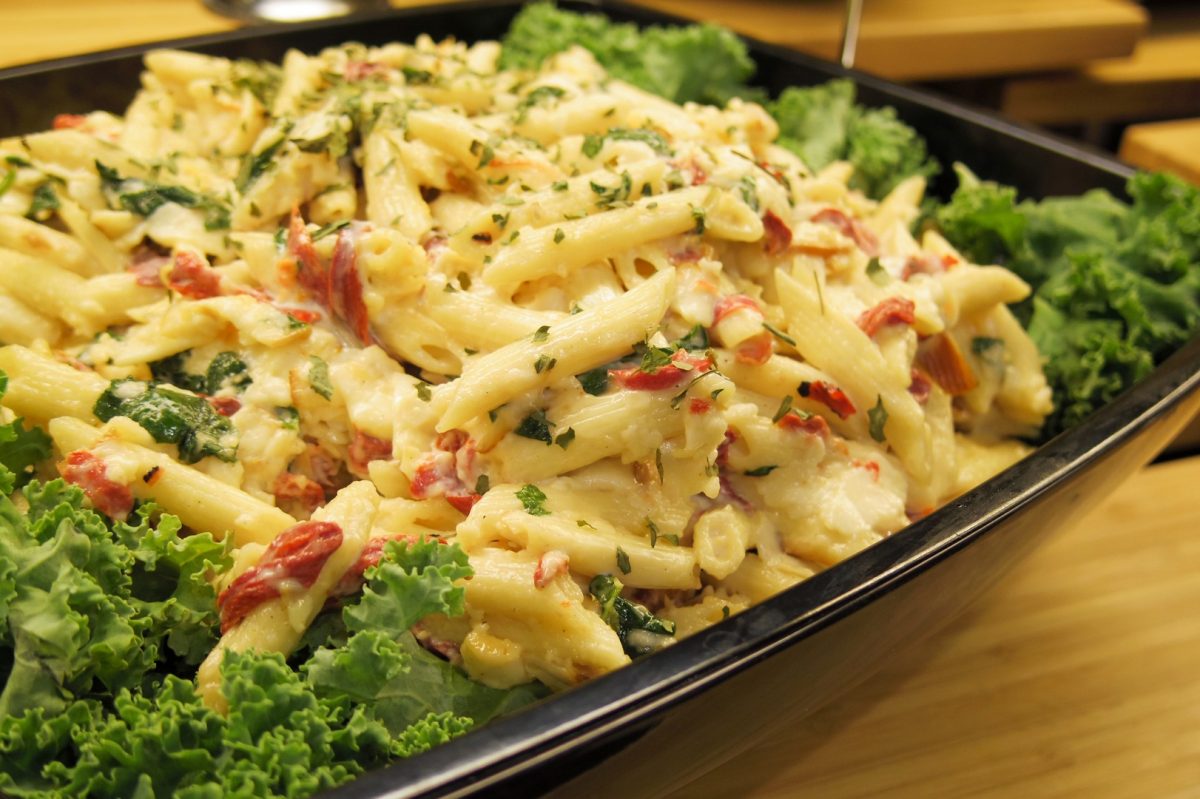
(902, 39)
(1079, 677)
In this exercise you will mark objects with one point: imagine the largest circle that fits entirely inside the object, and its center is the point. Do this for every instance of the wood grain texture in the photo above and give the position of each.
(1080, 677)
(902, 39)
(1160, 79)
(1170, 146)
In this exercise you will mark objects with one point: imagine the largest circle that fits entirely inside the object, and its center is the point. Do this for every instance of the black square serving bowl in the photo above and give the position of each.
(670, 717)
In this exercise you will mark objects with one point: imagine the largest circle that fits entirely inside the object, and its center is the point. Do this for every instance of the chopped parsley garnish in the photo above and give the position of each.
(653, 358)
(987, 347)
(784, 407)
(654, 534)
(288, 416)
(623, 561)
(541, 334)
(318, 377)
(544, 363)
(559, 235)
(7, 183)
(501, 220)
(331, 228)
(640, 631)
(877, 273)
(760, 471)
(417, 77)
(584, 523)
(610, 197)
(695, 339)
(533, 500)
(482, 484)
(559, 185)
(542, 95)
(749, 191)
(594, 381)
(254, 165)
(593, 144)
(658, 465)
(701, 220)
(779, 334)
(423, 392)
(537, 427)
(564, 439)
(171, 417)
(877, 417)
(678, 399)
(44, 203)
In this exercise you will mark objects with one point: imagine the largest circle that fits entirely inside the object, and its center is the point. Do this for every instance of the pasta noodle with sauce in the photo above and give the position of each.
(617, 349)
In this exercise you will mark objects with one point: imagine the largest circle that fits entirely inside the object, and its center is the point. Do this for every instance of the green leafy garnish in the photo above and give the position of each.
(227, 370)
(640, 631)
(171, 417)
(823, 124)
(564, 439)
(760, 471)
(144, 197)
(704, 63)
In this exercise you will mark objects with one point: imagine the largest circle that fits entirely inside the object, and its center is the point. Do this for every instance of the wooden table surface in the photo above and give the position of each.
(902, 39)
(1080, 677)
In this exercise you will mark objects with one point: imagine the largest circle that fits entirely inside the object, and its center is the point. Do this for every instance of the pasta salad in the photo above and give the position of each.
(516, 374)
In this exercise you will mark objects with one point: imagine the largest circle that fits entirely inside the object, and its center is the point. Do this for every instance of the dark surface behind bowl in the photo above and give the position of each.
(669, 718)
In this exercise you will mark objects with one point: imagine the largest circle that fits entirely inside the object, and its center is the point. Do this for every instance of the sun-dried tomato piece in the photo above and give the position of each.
(811, 423)
(226, 406)
(192, 277)
(84, 469)
(668, 376)
(65, 121)
(305, 492)
(777, 236)
(889, 311)
(850, 228)
(310, 272)
(733, 303)
(830, 396)
(346, 288)
(297, 555)
(364, 449)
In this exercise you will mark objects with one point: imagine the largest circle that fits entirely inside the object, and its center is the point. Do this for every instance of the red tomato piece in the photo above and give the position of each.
(364, 449)
(889, 311)
(830, 396)
(192, 277)
(89, 472)
(298, 554)
(668, 376)
(777, 236)
(733, 303)
(850, 228)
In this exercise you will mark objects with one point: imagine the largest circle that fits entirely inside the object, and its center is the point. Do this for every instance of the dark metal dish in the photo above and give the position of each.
(671, 716)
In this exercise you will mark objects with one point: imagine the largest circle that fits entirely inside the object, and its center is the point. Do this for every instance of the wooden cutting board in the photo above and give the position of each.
(902, 39)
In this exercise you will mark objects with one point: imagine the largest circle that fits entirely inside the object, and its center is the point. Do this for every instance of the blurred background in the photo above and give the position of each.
(1119, 74)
